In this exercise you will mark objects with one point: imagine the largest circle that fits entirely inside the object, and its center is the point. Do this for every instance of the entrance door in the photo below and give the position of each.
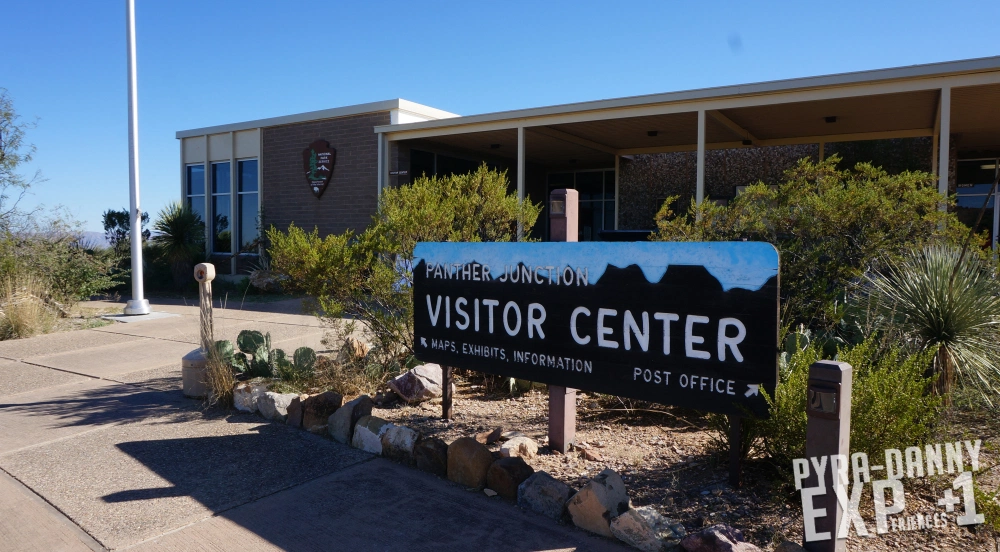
(975, 178)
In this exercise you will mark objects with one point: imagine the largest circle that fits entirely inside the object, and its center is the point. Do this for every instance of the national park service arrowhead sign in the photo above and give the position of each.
(317, 161)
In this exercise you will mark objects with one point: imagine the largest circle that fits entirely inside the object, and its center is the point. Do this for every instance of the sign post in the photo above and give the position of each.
(828, 436)
(564, 216)
(686, 324)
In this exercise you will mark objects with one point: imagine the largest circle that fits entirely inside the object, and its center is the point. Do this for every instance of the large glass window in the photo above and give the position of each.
(975, 179)
(195, 189)
(248, 203)
(222, 202)
(597, 200)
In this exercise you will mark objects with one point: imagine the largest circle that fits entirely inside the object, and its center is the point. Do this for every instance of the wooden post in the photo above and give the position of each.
(446, 398)
(735, 454)
(564, 216)
(204, 273)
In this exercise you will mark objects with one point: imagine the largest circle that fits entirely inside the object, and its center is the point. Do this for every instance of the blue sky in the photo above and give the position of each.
(211, 62)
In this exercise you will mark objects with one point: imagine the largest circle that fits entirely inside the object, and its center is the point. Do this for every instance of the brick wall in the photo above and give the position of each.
(350, 199)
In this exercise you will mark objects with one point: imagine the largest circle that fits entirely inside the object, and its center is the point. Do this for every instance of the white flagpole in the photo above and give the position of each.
(138, 304)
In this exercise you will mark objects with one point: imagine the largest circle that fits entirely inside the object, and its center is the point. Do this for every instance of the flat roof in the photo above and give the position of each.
(333, 113)
(907, 73)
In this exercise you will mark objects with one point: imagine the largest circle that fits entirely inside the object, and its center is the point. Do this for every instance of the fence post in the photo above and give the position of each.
(195, 363)
(828, 433)
(564, 216)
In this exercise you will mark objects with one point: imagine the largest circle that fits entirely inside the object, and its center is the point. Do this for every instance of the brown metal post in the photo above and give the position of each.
(828, 433)
(564, 216)
(446, 379)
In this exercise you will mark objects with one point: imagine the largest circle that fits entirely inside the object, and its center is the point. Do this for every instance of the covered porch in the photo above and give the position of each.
(626, 155)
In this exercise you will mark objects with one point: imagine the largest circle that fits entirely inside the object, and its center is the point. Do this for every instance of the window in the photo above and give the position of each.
(195, 190)
(975, 180)
(248, 202)
(222, 204)
(597, 200)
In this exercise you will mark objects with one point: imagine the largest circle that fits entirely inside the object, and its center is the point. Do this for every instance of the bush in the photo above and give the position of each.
(23, 312)
(830, 227)
(367, 276)
(890, 405)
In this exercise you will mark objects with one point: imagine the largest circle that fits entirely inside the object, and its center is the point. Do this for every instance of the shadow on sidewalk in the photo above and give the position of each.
(110, 404)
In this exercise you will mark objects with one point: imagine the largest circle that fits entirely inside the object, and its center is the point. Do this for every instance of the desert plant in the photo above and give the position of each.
(949, 304)
(256, 358)
(180, 239)
(830, 226)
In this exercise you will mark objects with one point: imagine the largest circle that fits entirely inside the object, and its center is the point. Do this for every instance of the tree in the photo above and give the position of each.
(117, 225)
(14, 152)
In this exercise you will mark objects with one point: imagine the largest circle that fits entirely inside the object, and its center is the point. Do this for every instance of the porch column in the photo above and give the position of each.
(380, 181)
(618, 159)
(944, 142)
(699, 194)
(520, 176)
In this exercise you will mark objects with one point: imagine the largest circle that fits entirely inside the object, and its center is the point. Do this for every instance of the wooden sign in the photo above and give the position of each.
(318, 161)
(687, 324)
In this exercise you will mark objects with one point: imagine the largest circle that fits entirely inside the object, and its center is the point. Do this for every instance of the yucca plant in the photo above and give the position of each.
(948, 302)
(180, 235)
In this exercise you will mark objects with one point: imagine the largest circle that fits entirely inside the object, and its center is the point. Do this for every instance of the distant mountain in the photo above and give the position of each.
(94, 239)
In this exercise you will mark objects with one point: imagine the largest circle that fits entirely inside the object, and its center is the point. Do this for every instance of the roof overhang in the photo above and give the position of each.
(888, 103)
(398, 105)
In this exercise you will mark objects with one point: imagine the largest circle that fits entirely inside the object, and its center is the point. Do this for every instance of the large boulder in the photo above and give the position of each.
(274, 406)
(468, 462)
(520, 446)
(317, 409)
(543, 494)
(419, 384)
(341, 423)
(644, 528)
(398, 442)
(368, 434)
(506, 475)
(246, 395)
(294, 418)
(598, 502)
(717, 538)
(431, 455)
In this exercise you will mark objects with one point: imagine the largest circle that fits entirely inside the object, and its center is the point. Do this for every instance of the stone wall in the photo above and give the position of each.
(646, 180)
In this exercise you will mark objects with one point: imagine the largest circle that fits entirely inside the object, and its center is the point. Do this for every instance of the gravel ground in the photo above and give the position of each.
(666, 460)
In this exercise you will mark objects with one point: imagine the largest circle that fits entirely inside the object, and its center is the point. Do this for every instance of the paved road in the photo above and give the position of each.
(99, 450)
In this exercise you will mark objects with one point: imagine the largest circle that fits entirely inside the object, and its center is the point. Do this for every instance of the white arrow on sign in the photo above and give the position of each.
(752, 389)
(423, 341)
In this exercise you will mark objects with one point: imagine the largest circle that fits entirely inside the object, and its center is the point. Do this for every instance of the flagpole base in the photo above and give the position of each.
(134, 307)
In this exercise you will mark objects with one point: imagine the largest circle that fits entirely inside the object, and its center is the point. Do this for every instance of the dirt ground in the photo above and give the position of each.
(667, 460)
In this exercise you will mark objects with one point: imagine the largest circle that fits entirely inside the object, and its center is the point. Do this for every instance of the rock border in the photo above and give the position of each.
(602, 506)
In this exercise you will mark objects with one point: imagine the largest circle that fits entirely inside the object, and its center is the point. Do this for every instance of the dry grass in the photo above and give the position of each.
(220, 381)
(22, 311)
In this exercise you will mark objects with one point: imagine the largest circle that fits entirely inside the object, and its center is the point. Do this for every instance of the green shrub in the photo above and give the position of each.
(890, 407)
(367, 276)
(830, 227)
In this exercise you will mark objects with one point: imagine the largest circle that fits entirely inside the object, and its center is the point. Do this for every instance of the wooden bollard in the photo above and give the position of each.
(564, 216)
(195, 363)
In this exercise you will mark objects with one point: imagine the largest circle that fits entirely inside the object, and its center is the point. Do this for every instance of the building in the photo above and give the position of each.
(624, 155)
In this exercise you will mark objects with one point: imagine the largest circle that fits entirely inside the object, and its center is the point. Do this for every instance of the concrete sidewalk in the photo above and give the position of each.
(99, 450)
